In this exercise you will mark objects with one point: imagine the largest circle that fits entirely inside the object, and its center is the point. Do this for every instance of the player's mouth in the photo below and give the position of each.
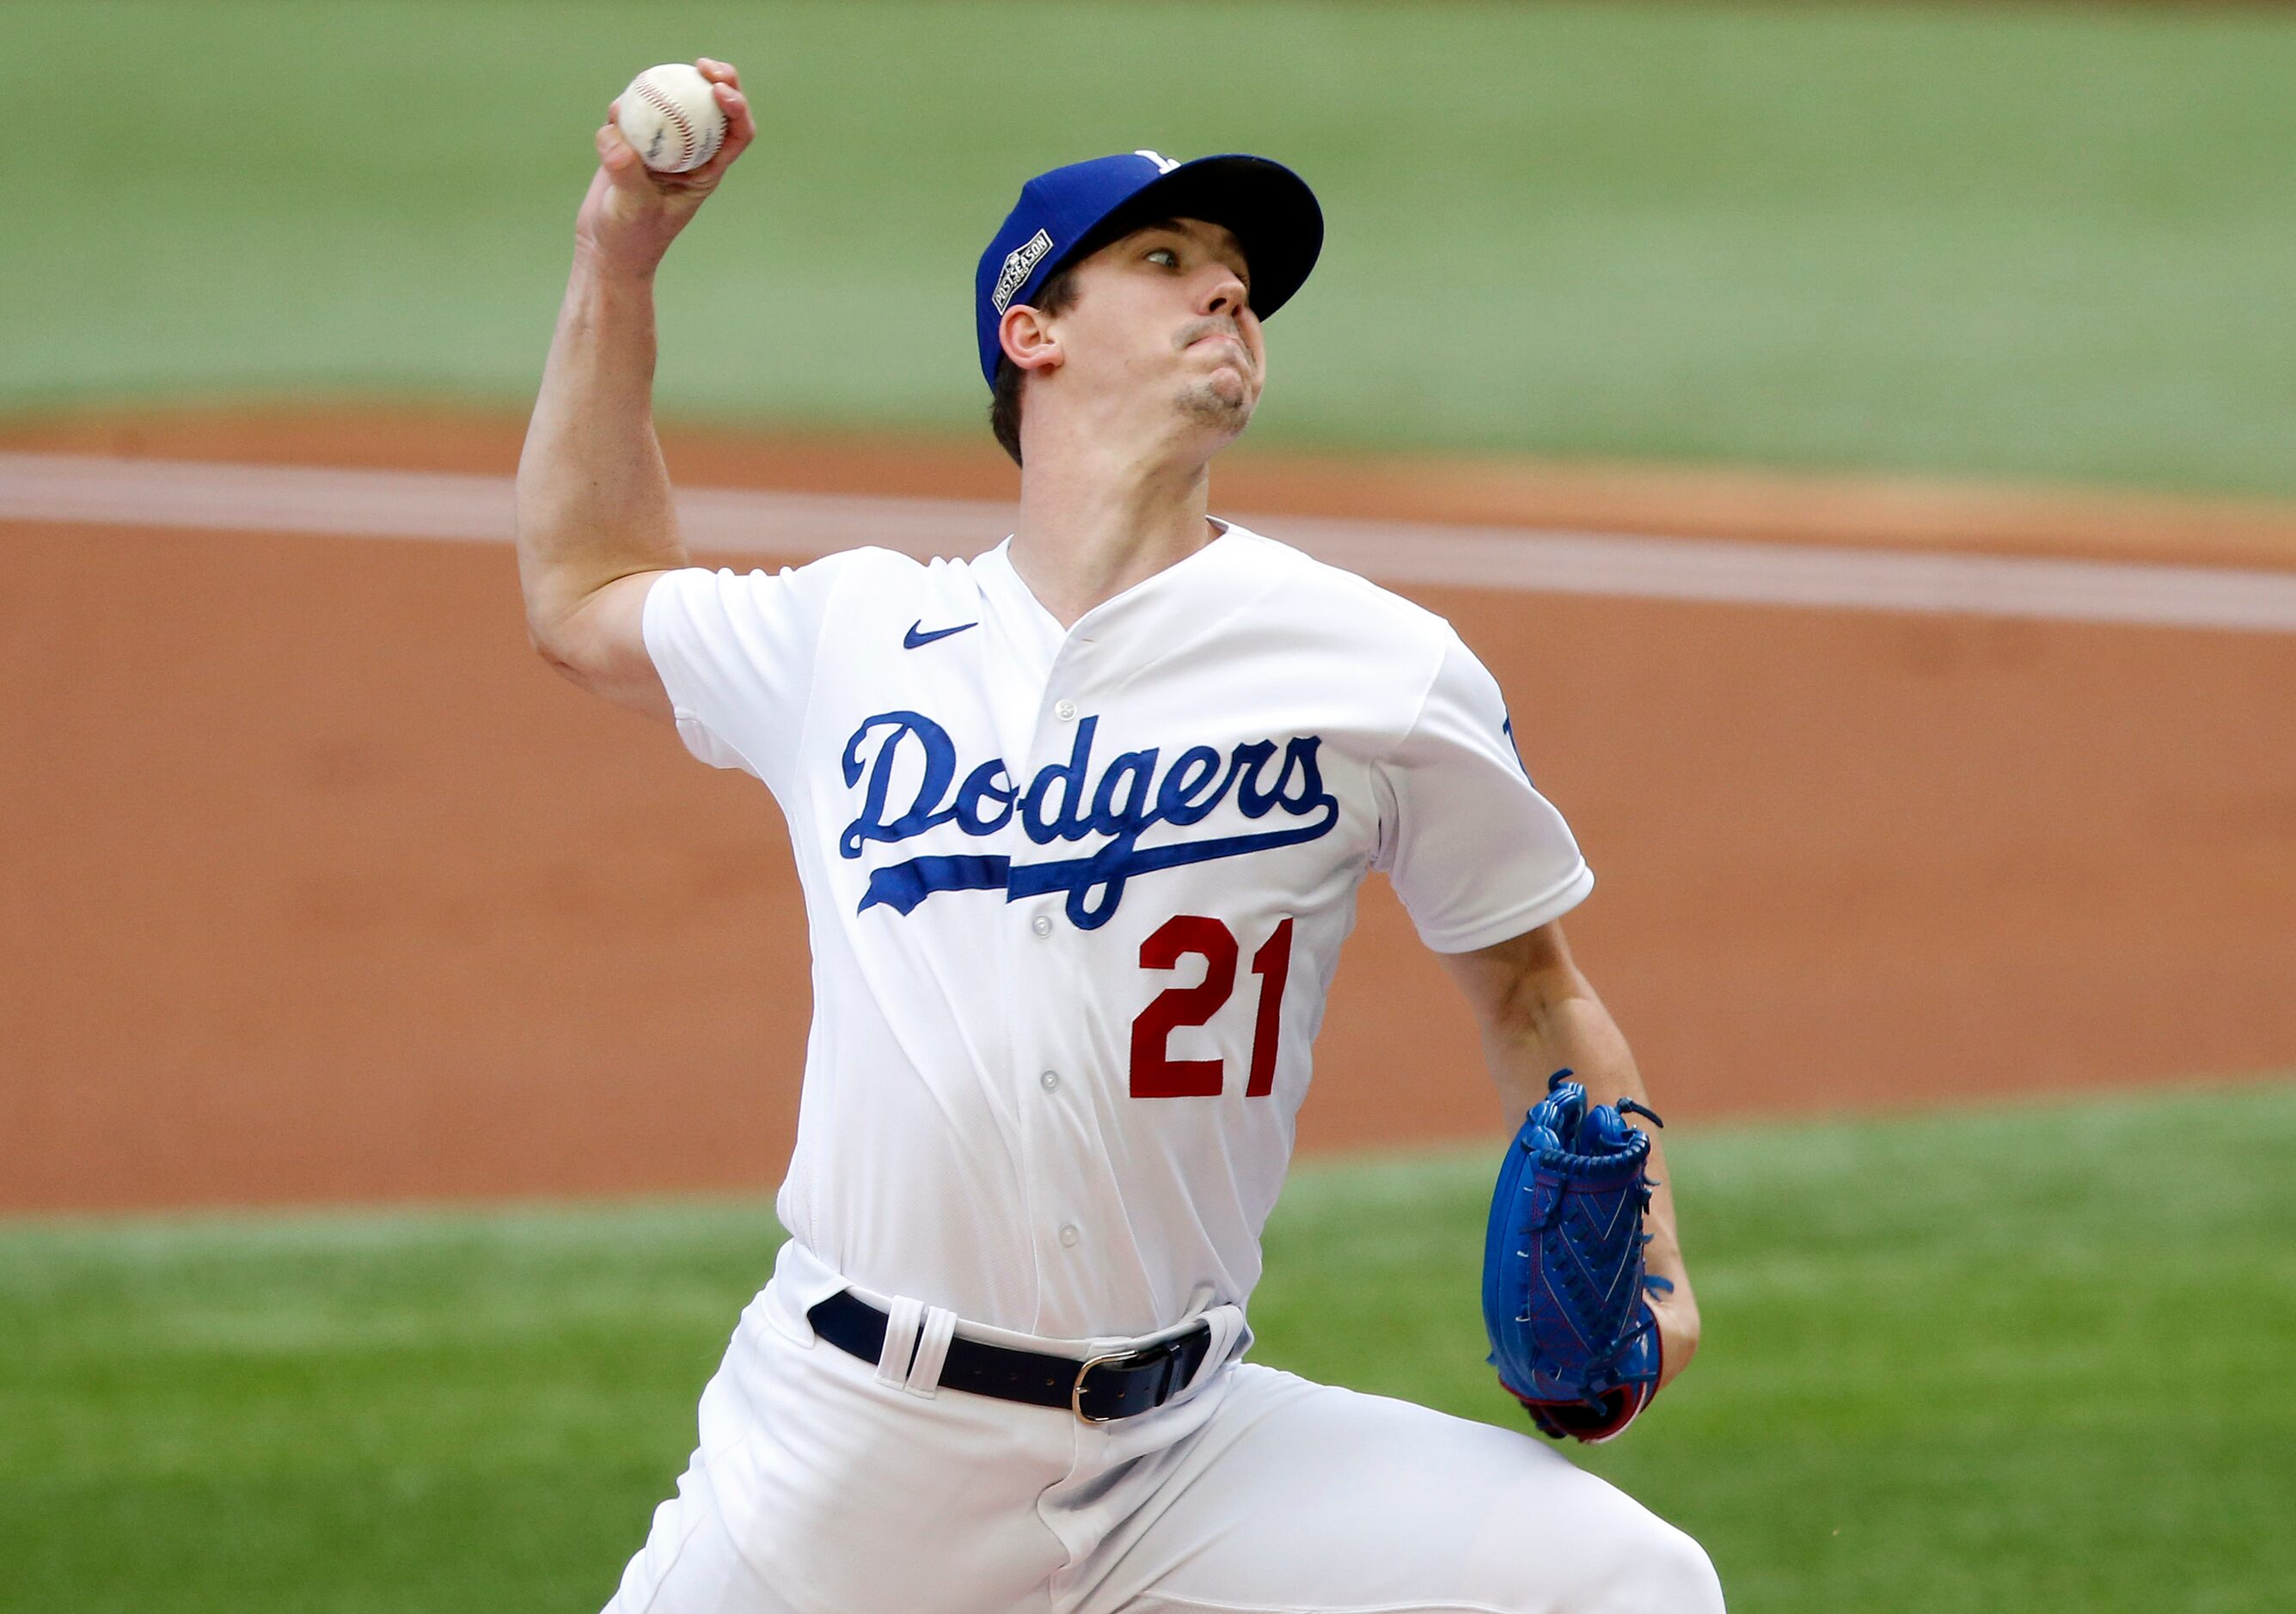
(1213, 332)
(1217, 331)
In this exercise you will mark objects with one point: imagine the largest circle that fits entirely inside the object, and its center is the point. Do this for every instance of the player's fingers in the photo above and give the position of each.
(718, 72)
(705, 179)
(740, 129)
(619, 158)
(741, 123)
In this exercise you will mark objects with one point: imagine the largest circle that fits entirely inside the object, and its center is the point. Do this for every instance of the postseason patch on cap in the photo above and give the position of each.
(1018, 262)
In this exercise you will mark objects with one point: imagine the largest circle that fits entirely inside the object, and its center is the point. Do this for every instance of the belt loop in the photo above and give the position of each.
(901, 1322)
(932, 1350)
(1230, 1337)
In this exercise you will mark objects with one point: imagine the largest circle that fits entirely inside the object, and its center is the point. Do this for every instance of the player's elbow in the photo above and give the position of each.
(1536, 1003)
(561, 622)
(556, 655)
(569, 647)
(1520, 987)
(551, 634)
(596, 640)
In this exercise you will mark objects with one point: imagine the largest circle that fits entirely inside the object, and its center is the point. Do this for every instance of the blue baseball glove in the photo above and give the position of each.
(1572, 1331)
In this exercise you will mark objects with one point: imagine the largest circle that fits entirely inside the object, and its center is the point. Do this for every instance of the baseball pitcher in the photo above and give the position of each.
(1079, 824)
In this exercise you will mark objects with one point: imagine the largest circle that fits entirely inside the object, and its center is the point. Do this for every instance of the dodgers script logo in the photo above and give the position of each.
(1133, 795)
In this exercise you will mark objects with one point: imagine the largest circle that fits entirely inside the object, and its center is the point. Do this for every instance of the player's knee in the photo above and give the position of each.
(1666, 1573)
(1619, 1557)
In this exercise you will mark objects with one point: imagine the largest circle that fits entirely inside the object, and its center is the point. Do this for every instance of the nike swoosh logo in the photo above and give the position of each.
(914, 639)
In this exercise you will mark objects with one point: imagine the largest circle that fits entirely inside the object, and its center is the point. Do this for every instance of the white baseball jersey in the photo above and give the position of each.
(1075, 895)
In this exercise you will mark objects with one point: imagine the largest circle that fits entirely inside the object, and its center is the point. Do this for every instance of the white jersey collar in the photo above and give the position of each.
(1189, 593)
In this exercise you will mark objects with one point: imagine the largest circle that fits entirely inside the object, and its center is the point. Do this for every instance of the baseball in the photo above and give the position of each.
(670, 117)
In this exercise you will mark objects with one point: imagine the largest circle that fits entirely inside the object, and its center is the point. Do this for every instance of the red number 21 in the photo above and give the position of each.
(1155, 1074)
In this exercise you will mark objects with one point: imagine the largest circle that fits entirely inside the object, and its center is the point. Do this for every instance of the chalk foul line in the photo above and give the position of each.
(93, 490)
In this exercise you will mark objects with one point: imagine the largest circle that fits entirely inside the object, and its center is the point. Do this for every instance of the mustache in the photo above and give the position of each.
(1218, 324)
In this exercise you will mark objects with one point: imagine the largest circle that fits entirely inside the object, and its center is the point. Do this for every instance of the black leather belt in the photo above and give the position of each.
(1120, 1385)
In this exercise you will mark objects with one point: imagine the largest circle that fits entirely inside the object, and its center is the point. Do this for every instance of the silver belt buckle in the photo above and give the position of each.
(1075, 1395)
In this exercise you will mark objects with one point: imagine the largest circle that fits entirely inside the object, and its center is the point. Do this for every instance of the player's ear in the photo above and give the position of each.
(1026, 335)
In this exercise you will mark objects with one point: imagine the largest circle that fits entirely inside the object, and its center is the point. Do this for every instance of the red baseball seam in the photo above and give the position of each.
(676, 114)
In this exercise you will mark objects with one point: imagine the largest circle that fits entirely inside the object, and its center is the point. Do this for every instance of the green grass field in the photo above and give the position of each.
(2032, 1358)
(1994, 242)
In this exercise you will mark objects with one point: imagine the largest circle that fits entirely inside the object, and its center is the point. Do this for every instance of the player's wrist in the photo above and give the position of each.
(612, 267)
(1676, 1316)
(624, 227)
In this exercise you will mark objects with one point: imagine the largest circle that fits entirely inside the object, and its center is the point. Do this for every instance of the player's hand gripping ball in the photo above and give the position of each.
(1572, 1334)
(671, 118)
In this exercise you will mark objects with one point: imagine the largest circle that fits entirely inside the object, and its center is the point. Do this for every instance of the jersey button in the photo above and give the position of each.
(1069, 1234)
(1065, 710)
(1042, 925)
(1050, 1080)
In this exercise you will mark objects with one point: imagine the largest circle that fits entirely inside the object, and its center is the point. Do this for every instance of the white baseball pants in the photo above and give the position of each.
(821, 1486)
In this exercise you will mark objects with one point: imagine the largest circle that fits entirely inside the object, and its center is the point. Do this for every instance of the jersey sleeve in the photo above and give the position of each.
(736, 651)
(1475, 852)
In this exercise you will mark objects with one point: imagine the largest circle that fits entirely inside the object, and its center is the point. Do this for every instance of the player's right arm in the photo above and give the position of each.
(595, 524)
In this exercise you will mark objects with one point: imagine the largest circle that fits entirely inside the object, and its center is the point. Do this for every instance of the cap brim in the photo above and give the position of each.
(1269, 208)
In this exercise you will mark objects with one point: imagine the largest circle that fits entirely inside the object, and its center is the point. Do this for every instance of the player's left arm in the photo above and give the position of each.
(1539, 1014)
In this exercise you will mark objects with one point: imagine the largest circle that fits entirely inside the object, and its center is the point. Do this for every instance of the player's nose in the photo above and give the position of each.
(1222, 291)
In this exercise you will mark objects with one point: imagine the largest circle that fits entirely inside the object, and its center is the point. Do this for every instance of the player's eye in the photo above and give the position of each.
(1164, 256)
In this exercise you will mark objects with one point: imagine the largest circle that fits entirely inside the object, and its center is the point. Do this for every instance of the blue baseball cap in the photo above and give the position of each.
(1069, 212)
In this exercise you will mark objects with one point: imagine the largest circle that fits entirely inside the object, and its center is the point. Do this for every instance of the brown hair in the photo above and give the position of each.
(1057, 295)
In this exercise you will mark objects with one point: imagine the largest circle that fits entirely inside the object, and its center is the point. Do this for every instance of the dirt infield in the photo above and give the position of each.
(320, 888)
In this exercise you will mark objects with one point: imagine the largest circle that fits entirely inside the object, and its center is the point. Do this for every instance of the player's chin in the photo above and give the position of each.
(1222, 401)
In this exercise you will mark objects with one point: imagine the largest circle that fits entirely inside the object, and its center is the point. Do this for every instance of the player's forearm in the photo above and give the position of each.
(1575, 1031)
(593, 498)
